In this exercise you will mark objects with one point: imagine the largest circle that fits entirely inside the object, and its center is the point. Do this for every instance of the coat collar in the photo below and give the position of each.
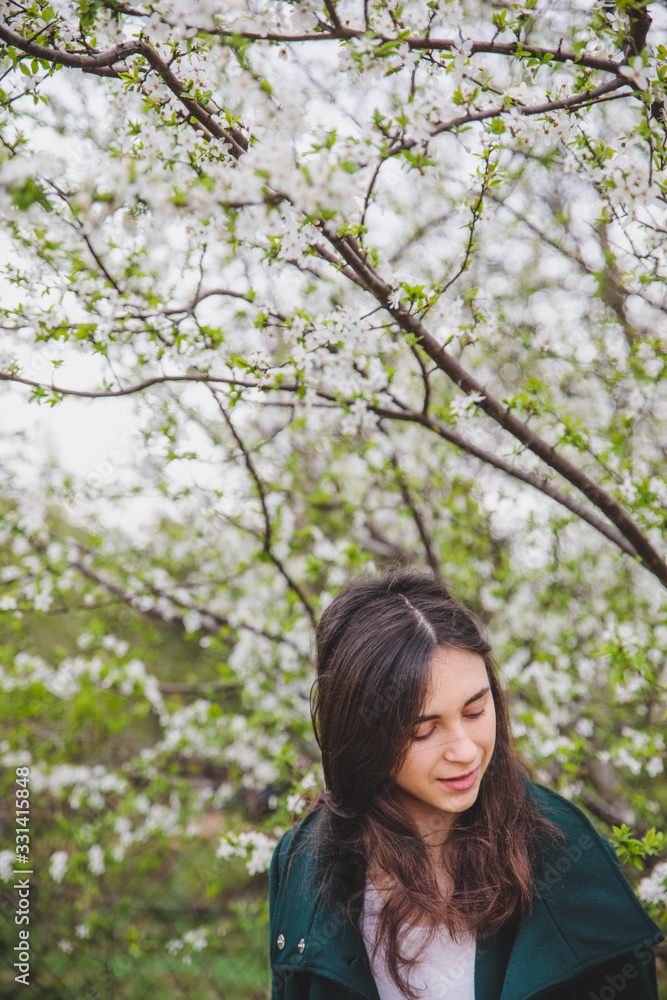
(584, 913)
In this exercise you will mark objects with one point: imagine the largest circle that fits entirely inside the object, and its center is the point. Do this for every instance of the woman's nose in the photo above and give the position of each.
(460, 748)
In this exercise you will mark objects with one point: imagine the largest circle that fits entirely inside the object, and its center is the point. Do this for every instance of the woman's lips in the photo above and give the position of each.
(462, 783)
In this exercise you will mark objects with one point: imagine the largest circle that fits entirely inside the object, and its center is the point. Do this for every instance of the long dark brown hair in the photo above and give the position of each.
(375, 643)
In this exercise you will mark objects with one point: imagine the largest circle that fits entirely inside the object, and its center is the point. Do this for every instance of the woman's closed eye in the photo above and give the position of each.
(470, 715)
(424, 736)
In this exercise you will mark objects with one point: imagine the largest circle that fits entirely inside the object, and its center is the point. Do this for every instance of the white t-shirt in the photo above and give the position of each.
(446, 970)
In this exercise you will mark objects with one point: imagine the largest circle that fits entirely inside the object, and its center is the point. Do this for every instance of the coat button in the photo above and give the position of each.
(301, 946)
(281, 941)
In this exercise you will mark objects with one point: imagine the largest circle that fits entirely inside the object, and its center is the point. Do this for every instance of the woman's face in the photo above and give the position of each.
(453, 738)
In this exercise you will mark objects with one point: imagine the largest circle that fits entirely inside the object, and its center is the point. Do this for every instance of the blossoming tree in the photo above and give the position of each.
(387, 284)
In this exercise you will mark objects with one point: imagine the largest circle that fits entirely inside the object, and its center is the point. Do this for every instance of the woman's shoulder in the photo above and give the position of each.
(551, 801)
(319, 850)
(560, 810)
(306, 828)
(585, 862)
(300, 841)
(579, 833)
(569, 817)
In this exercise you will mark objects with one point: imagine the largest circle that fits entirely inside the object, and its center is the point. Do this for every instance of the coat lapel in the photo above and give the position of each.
(491, 959)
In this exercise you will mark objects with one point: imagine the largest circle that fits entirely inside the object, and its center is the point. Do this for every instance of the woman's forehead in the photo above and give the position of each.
(456, 675)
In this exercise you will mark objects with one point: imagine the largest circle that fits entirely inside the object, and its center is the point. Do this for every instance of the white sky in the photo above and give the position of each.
(83, 437)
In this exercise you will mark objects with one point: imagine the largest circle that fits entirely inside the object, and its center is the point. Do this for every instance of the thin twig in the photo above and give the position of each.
(417, 517)
(267, 541)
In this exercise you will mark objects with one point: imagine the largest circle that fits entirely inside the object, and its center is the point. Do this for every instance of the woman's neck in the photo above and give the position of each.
(384, 882)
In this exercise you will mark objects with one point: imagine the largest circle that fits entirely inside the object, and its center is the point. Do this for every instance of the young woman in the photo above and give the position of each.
(431, 865)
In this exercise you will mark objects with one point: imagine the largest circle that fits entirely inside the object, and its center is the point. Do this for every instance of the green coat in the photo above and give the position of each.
(587, 938)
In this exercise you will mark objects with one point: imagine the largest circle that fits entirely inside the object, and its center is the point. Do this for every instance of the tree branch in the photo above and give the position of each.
(640, 22)
(427, 44)
(126, 597)
(201, 688)
(573, 102)
(412, 326)
(119, 54)
(404, 413)
(129, 390)
(530, 478)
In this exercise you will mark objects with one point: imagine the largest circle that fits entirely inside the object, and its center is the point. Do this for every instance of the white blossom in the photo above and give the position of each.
(7, 862)
(653, 888)
(637, 72)
(96, 860)
(58, 865)
(462, 406)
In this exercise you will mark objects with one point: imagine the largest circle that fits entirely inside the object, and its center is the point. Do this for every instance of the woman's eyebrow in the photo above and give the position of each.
(429, 718)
